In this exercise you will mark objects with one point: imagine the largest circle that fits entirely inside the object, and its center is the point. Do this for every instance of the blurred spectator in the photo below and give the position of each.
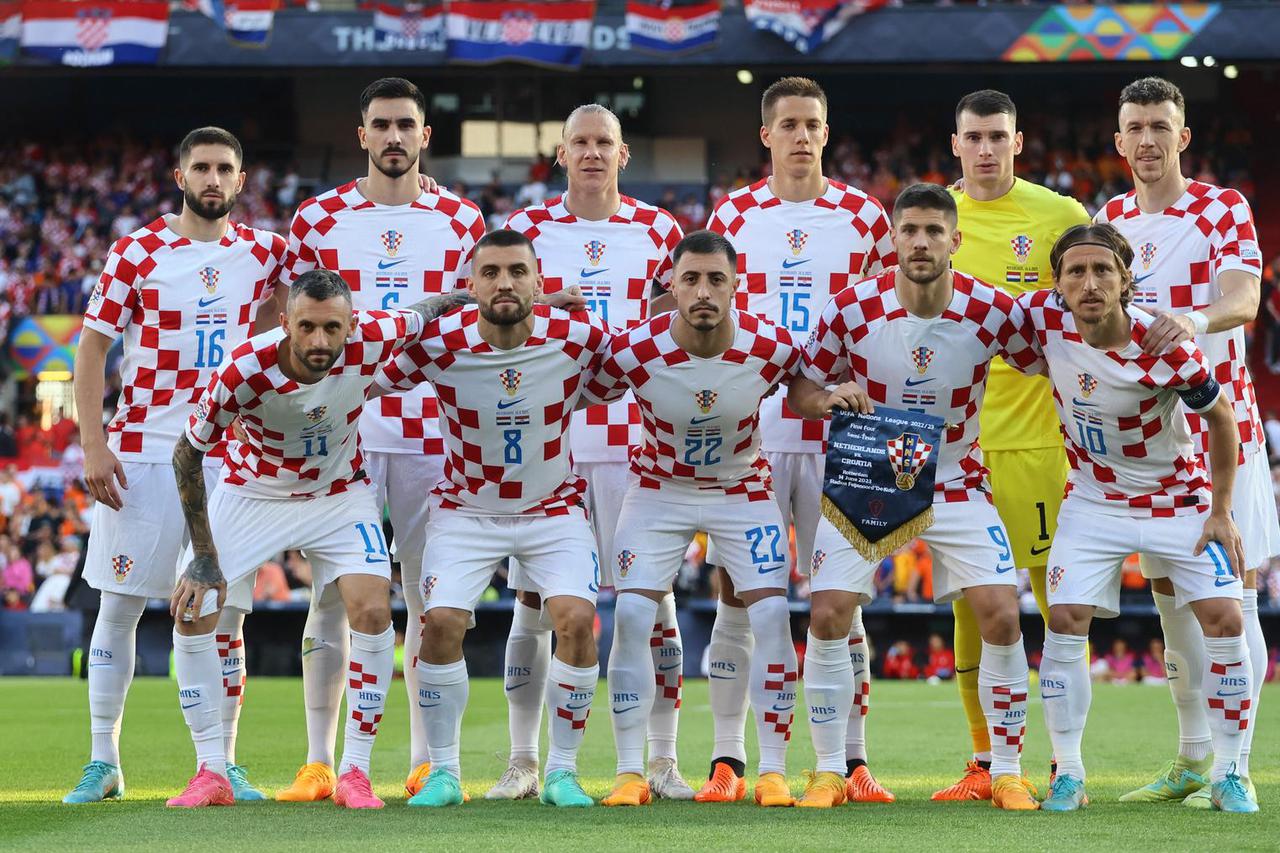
(17, 579)
(942, 661)
(899, 661)
(1119, 666)
(1153, 663)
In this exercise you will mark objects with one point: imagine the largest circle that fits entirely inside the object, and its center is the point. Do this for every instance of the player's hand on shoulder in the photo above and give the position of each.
(1167, 332)
(237, 430)
(1219, 527)
(101, 471)
(569, 299)
(428, 184)
(851, 397)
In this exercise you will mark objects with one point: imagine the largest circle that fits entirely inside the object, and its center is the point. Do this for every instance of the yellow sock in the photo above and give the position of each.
(968, 648)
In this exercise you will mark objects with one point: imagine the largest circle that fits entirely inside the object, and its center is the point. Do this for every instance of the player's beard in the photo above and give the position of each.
(934, 272)
(303, 359)
(393, 173)
(491, 312)
(207, 208)
(703, 323)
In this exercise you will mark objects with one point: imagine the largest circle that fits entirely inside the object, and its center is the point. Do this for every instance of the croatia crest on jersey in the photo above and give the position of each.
(705, 400)
(518, 27)
(1022, 247)
(209, 278)
(1087, 383)
(1055, 577)
(907, 454)
(819, 556)
(202, 410)
(625, 560)
(428, 584)
(391, 240)
(1147, 252)
(121, 565)
(510, 381)
(595, 252)
(921, 357)
(796, 240)
(317, 414)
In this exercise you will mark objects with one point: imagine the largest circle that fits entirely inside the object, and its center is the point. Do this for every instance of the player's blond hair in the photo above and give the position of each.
(790, 87)
(1104, 235)
(592, 109)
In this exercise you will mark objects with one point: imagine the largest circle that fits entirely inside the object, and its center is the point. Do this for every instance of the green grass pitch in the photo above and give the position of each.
(916, 736)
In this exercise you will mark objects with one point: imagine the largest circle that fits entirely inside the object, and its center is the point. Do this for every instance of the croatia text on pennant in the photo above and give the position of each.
(553, 33)
(96, 32)
(807, 24)
(878, 486)
(672, 26)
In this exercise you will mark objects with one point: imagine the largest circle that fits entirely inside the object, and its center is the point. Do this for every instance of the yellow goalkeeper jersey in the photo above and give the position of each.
(1006, 243)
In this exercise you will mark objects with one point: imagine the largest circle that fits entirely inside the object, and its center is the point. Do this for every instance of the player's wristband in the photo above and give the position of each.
(1199, 321)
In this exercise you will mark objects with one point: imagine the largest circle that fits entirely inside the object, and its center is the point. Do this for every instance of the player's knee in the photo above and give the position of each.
(1067, 620)
(1164, 586)
(530, 599)
(200, 625)
(1220, 617)
(371, 617)
(444, 627)
(828, 620)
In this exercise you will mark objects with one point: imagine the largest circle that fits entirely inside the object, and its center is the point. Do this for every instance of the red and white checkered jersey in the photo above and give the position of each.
(1178, 254)
(792, 257)
(1122, 414)
(937, 366)
(505, 413)
(390, 255)
(181, 306)
(615, 262)
(302, 439)
(701, 416)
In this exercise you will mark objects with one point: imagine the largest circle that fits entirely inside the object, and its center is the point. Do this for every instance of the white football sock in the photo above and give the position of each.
(111, 663)
(373, 660)
(855, 737)
(570, 692)
(774, 680)
(1066, 693)
(828, 691)
(229, 635)
(1228, 690)
(631, 677)
(527, 660)
(1258, 655)
(324, 668)
(668, 665)
(414, 619)
(195, 662)
(1002, 689)
(1184, 668)
(442, 698)
(729, 669)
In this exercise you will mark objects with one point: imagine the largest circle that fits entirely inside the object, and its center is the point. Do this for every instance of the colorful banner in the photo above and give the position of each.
(96, 32)
(546, 33)
(247, 23)
(669, 27)
(44, 344)
(10, 29)
(411, 26)
(807, 24)
(1137, 32)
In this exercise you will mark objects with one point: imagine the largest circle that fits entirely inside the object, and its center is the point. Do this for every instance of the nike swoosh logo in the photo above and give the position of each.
(724, 677)
(1236, 693)
(229, 673)
(192, 705)
(1141, 278)
(786, 265)
(970, 669)
(1224, 582)
(432, 705)
(506, 404)
(374, 559)
(366, 707)
(386, 265)
(578, 707)
(1001, 571)
(819, 722)
(783, 707)
(766, 571)
(205, 303)
(98, 664)
(1076, 401)
(858, 672)
(1035, 552)
(516, 686)
(306, 652)
(593, 273)
(625, 710)
(703, 420)
(911, 383)
(668, 666)
(1052, 695)
(592, 588)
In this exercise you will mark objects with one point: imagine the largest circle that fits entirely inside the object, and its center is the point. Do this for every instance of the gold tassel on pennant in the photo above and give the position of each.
(876, 551)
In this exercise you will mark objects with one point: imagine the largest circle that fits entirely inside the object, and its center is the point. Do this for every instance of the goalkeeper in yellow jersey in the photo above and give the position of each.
(1009, 225)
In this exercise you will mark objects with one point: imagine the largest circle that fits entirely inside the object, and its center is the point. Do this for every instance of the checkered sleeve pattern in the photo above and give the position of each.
(301, 255)
(1183, 370)
(467, 223)
(1019, 346)
(871, 223)
(221, 400)
(827, 352)
(115, 297)
(269, 250)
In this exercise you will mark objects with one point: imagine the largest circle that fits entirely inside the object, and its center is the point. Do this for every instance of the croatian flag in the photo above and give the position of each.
(410, 26)
(545, 33)
(246, 22)
(10, 29)
(96, 32)
(670, 26)
(807, 24)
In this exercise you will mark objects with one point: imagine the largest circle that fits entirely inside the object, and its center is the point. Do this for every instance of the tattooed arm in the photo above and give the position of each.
(202, 574)
(433, 306)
